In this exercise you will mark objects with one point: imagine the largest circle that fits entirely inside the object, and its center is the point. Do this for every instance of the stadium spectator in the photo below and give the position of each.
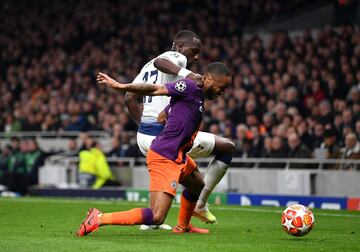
(351, 150)
(241, 141)
(278, 150)
(94, 170)
(357, 128)
(325, 112)
(128, 148)
(297, 150)
(265, 152)
(332, 150)
(16, 174)
(318, 135)
(257, 142)
(23, 160)
(303, 131)
(4, 163)
(115, 148)
(72, 148)
(72, 145)
(268, 122)
(34, 159)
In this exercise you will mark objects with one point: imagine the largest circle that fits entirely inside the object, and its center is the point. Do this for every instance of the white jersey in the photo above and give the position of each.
(149, 128)
(153, 105)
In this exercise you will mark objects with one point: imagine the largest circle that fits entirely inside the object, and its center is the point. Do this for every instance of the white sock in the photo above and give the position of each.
(214, 173)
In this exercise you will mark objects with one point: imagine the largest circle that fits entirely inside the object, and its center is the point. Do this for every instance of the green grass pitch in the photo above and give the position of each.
(48, 224)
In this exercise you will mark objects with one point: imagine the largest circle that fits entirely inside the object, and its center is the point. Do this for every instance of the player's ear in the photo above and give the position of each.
(207, 77)
(180, 45)
(210, 76)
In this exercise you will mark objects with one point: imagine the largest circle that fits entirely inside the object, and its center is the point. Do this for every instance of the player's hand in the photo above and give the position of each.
(108, 81)
(195, 77)
(162, 117)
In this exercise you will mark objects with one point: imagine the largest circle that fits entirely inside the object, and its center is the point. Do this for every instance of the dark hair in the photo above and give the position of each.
(218, 68)
(331, 132)
(186, 35)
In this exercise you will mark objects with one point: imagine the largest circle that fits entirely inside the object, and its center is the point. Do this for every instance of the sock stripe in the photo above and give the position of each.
(147, 216)
(223, 158)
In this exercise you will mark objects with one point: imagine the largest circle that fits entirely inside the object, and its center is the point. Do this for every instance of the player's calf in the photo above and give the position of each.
(158, 218)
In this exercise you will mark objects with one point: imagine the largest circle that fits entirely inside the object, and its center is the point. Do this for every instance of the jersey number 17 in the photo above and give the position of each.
(148, 76)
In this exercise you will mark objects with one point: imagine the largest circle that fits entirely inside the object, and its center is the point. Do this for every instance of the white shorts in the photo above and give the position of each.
(203, 146)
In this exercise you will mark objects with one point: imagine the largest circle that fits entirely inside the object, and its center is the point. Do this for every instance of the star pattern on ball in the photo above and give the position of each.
(288, 224)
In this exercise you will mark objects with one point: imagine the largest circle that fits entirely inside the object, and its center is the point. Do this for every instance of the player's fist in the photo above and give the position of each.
(104, 79)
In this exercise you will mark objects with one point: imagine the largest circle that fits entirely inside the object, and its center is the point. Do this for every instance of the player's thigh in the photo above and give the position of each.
(193, 182)
(203, 145)
(164, 173)
(160, 203)
(144, 142)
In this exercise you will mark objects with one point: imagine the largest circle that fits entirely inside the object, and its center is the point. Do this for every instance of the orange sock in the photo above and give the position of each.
(186, 209)
(131, 217)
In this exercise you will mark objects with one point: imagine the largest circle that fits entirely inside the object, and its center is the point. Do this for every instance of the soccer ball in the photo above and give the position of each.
(297, 220)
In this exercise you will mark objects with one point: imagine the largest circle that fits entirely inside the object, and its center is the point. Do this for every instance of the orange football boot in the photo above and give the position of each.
(90, 224)
(190, 229)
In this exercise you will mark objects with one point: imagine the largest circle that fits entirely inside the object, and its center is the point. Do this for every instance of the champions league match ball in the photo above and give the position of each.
(297, 220)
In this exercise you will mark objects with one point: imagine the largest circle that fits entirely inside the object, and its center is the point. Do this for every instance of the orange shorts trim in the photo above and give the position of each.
(165, 174)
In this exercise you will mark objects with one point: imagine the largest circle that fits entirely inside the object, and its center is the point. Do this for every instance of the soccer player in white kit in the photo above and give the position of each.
(170, 67)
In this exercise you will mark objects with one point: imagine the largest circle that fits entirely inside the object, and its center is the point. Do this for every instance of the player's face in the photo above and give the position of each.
(191, 50)
(216, 85)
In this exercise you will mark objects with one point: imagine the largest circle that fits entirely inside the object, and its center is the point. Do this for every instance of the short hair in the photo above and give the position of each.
(351, 134)
(186, 35)
(218, 68)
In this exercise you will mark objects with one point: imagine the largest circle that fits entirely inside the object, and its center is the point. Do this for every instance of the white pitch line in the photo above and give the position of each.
(110, 202)
(279, 211)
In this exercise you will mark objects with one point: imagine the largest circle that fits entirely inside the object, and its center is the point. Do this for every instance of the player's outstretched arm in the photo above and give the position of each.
(141, 88)
(168, 67)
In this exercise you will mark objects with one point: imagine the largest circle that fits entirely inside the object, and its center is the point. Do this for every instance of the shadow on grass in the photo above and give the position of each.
(302, 239)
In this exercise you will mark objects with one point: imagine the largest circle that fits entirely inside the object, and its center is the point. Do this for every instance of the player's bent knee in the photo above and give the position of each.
(224, 146)
(230, 147)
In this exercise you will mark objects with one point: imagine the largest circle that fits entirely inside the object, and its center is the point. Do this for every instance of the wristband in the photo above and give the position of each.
(184, 72)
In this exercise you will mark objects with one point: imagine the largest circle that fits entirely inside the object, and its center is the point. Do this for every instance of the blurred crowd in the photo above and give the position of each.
(21, 159)
(19, 164)
(291, 97)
